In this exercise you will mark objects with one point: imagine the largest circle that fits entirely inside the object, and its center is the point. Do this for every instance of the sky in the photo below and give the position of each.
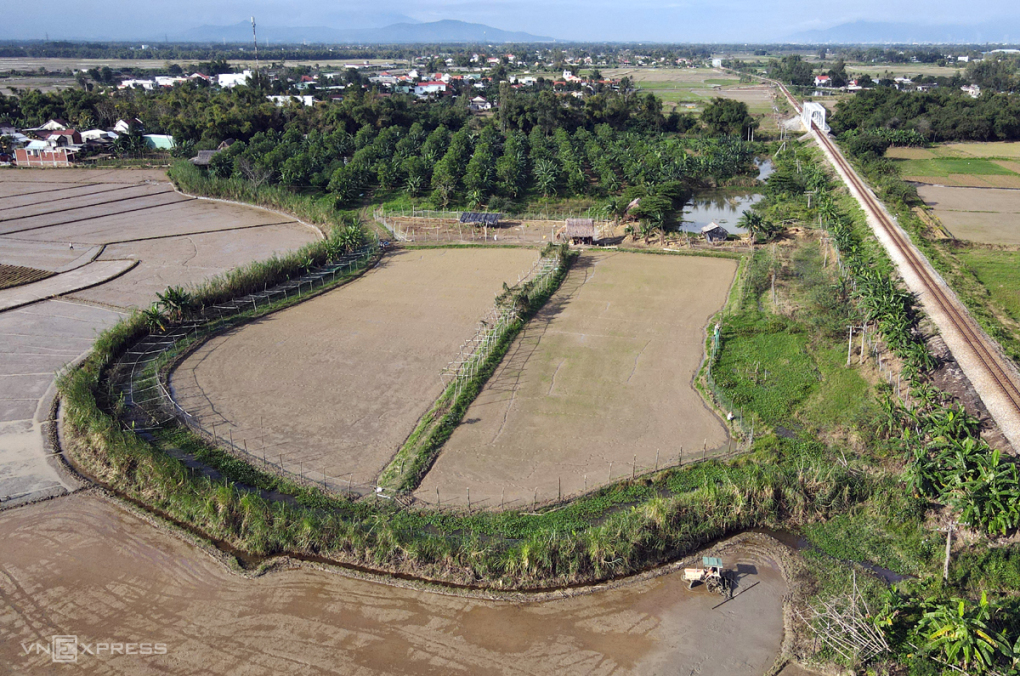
(590, 20)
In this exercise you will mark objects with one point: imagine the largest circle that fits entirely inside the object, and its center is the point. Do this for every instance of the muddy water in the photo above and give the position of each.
(85, 567)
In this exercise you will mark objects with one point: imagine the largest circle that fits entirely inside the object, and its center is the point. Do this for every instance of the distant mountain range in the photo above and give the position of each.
(871, 32)
(407, 32)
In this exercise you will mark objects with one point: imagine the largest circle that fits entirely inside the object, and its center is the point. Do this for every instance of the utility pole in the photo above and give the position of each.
(256, 41)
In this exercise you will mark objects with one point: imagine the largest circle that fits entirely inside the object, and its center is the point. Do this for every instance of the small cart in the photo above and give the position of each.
(711, 573)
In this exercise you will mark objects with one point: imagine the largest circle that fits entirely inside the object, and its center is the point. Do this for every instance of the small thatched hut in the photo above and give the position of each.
(714, 233)
(581, 230)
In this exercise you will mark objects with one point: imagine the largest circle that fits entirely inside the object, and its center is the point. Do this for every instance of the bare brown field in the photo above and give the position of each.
(953, 199)
(79, 223)
(338, 382)
(600, 381)
(680, 75)
(16, 275)
(955, 180)
(992, 149)
(86, 567)
(905, 153)
(978, 215)
(1010, 182)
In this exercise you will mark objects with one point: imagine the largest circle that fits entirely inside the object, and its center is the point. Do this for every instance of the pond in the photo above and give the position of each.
(720, 206)
(724, 207)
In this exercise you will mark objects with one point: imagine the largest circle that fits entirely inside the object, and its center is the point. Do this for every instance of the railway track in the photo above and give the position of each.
(983, 349)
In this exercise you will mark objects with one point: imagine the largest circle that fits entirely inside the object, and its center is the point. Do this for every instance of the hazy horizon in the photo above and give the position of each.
(729, 21)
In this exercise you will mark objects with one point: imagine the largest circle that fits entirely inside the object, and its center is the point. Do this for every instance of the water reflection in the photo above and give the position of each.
(722, 207)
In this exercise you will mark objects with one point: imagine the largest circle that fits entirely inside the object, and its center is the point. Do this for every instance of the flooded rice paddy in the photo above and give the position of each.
(86, 567)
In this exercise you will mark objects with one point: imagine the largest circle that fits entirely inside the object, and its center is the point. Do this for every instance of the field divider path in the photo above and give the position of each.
(993, 376)
(91, 218)
(246, 205)
(61, 210)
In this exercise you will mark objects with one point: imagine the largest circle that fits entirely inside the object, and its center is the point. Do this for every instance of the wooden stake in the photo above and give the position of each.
(949, 544)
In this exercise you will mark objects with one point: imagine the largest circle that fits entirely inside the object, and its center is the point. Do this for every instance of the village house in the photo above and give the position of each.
(230, 80)
(58, 149)
(429, 88)
(823, 81)
(137, 84)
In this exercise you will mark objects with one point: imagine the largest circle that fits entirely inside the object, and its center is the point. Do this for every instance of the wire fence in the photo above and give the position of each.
(424, 226)
(149, 404)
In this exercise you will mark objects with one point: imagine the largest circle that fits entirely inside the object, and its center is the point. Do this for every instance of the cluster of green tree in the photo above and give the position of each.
(938, 115)
(204, 116)
(491, 167)
(791, 69)
(997, 72)
(871, 144)
(525, 110)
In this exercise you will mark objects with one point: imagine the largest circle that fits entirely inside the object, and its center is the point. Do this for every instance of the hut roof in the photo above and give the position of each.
(480, 217)
(580, 227)
(203, 158)
(714, 226)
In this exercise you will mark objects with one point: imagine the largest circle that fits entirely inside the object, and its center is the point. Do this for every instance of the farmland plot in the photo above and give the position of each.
(337, 383)
(598, 385)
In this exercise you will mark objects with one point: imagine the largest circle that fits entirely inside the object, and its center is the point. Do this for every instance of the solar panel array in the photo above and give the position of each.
(479, 217)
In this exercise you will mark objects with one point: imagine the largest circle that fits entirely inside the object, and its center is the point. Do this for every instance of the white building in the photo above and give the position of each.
(142, 84)
(229, 80)
(973, 90)
(423, 89)
(716, 63)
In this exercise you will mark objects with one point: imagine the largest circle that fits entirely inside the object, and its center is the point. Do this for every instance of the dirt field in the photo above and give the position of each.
(979, 215)
(601, 375)
(88, 227)
(689, 89)
(340, 381)
(84, 567)
(975, 165)
(59, 219)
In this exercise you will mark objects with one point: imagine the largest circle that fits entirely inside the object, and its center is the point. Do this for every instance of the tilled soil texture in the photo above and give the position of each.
(16, 275)
(597, 387)
(336, 384)
(990, 216)
(108, 242)
(84, 567)
(61, 219)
